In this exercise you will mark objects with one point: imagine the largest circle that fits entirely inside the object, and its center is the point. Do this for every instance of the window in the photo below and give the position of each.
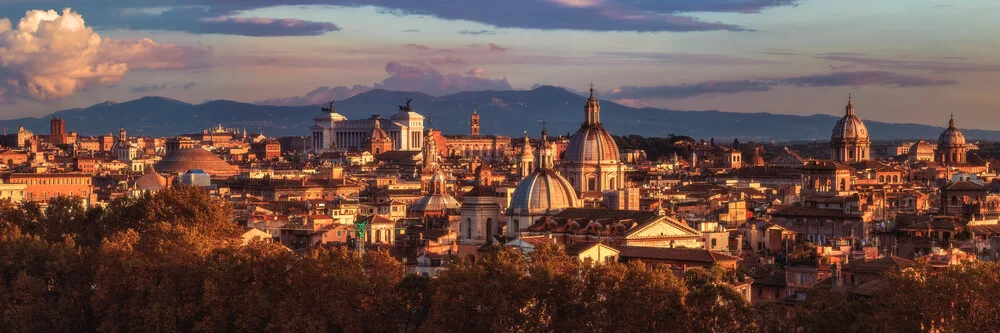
(713, 243)
(468, 228)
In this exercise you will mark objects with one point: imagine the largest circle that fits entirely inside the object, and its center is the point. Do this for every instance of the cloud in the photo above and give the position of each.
(411, 30)
(418, 47)
(224, 16)
(52, 55)
(497, 48)
(145, 54)
(419, 77)
(863, 78)
(220, 17)
(403, 76)
(894, 64)
(701, 59)
(146, 88)
(477, 32)
(836, 79)
(319, 95)
(688, 90)
(185, 86)
(447, 60)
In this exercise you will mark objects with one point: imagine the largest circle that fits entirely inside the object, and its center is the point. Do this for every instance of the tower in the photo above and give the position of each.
(527, 159)
(474, 123)
(57, 131)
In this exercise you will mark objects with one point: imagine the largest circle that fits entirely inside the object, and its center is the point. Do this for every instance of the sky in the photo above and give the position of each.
(901, 60)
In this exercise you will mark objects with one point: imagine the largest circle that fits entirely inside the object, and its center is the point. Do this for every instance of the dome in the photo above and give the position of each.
(150, 181)
(543, 191)
(951, 136)
(436, 202)
(921, 147)
(591, 143)
(850, 128)
(182, 160)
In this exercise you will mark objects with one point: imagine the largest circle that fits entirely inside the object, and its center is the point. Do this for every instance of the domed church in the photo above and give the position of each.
(951, 145)
(850, 140)
(591, 162)
(542, 193)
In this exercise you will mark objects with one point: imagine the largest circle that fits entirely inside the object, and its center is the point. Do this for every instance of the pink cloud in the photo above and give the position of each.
(497, 48)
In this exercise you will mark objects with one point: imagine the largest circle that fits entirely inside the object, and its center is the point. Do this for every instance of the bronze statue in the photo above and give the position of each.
(406, 107)
(329, 108)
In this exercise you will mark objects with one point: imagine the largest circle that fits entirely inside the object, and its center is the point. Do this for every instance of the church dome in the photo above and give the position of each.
(182, 160)
(150, 181)
(591, 143)
(951, 136)
(436, 202)
(921, 148)
(543, 191)
(850, 128)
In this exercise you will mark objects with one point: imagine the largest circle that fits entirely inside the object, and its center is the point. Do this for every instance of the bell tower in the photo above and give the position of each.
(474, 123)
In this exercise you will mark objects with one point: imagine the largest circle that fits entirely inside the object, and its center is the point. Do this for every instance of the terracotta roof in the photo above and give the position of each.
(965, 186)
(985, 229)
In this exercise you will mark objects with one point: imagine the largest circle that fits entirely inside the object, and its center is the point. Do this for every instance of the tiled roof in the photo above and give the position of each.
(965, 186)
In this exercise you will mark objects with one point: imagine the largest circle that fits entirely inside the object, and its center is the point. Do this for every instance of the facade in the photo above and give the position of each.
(850, 141)
(44, 186)
(332, 131)
(591, 162)
(480, 216)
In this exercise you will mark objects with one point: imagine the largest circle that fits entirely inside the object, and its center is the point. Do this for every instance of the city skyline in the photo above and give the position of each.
(902, 61)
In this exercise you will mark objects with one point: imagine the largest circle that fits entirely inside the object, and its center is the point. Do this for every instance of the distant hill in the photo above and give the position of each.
(502, 112)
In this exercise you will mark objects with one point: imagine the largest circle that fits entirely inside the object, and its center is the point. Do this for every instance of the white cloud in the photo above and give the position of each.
(52, 55)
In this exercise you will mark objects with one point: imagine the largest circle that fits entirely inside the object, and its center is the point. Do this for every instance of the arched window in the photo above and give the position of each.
(517, 227)
(954, 200)
(843, 184)
(489, 228)
(611, 184)
(881, 179)
(468, 228)
(378, 236)
(591, 183)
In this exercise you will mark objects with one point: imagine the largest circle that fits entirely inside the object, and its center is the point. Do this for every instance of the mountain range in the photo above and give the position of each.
(501, 112)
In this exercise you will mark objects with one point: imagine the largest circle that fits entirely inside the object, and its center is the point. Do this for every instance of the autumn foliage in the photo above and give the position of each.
(172, 261)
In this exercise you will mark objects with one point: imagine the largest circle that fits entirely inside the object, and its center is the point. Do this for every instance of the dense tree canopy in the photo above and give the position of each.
(172, 261)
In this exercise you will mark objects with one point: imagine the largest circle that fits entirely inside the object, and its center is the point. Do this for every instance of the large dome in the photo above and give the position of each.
(921, 147)
(591, 144)
(182, 160)
(951, 136)
(543, 191)
(850, 128)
